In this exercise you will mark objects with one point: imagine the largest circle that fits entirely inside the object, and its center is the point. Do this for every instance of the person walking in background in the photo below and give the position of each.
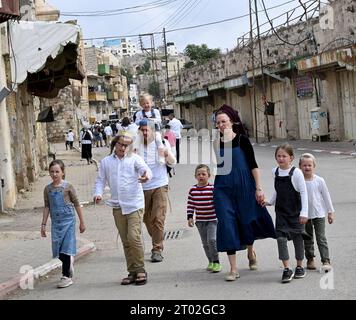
(124, 172)
(149, 145)
(109, 134)
(86, 143)
(70, 139)
(290, 199)
(319, 204)
(238, 193)
(176, 128)
(201, 204)
(60, 200)
(170, 136)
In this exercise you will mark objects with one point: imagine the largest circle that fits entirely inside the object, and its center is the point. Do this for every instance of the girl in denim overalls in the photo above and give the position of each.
(60, 200)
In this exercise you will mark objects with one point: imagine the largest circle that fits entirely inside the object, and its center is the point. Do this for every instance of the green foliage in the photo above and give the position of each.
(128, 75)
(153, 89)
(146, 66)
(200, 54)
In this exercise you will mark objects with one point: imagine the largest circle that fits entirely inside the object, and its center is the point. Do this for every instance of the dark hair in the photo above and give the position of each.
(167, 126)
(61, 165)
(285, 147)
(125, 121)
(202, 166)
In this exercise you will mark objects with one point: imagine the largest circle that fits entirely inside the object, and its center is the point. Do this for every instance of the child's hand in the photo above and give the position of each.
(303, 220)
(330, 217)
(97, 199)
(43, 231)
(143, 178)
(190, 222)
(82, 227)
(264, 203)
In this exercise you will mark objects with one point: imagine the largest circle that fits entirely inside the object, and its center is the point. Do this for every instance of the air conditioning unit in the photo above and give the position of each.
(9, 9)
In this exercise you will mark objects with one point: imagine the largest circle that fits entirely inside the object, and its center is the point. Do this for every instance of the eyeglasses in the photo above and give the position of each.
(122, 144)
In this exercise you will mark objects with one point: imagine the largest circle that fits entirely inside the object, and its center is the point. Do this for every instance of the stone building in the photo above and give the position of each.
(32, 80)
(302, 76)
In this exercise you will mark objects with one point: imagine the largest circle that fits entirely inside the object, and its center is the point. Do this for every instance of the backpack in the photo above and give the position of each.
(153, 116)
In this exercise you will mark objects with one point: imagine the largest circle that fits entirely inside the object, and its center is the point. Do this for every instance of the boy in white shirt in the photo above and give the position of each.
(124, 172)
(319, 203)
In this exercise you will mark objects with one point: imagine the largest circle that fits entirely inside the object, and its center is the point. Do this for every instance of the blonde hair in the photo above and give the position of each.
(306, 156)
(145, 96)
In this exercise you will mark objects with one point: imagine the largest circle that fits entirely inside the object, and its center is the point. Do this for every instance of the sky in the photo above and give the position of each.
(172, 14)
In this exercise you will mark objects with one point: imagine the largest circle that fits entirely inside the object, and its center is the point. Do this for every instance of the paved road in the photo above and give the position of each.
(182, 274)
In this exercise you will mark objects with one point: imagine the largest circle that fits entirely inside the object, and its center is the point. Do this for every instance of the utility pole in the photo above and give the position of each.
(254, 13)
(179, 79)
(264, 98)
(166, 57)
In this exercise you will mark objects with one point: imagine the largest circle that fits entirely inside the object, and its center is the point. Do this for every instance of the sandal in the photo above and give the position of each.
(141, 278)
(131, 278)
(252, 263)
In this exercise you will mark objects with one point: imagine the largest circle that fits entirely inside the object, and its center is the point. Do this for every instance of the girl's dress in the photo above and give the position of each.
(241, 220)
(62, 219)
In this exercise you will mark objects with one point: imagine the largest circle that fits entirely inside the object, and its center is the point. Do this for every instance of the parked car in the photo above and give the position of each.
(186, 124)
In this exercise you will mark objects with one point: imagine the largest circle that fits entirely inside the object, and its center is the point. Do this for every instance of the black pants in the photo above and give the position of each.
(65, 264)
(177, 149)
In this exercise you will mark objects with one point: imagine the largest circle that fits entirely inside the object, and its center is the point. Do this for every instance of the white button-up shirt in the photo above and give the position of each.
(122, 177)
(176, 127)
(319, 201)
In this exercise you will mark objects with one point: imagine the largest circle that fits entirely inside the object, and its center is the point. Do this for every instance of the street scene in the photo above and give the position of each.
(163, 165)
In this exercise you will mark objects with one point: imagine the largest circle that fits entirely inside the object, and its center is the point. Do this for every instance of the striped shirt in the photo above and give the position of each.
(200, 202)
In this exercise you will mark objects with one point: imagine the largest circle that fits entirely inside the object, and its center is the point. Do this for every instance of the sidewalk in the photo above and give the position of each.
(21, 247)
(25, 255)
(338, 148)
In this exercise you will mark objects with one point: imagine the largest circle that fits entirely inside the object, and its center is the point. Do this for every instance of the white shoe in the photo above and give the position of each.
(65, 282)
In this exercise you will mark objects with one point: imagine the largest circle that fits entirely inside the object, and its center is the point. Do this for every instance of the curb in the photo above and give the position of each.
(353, 154)
(30, 277)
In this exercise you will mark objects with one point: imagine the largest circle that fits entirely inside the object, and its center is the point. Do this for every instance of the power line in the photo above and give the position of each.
(138, 8)
(191, 27)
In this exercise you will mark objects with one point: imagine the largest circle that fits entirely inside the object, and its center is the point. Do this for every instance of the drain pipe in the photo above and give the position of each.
(1, 197)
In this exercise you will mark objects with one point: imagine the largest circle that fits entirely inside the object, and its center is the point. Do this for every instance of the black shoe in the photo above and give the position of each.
(287, 275)
(299, 272)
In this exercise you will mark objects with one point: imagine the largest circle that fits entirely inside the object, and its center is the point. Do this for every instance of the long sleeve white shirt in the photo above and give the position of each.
(176, 127)
(122, 177)
(319, 200)
(298, 184)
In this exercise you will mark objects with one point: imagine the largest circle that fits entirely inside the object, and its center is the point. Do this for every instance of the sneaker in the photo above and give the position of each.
(326, 267)
(216, 267)
(232, 276)
(299, 272)
(156, 257)
(287, 275)
(210, 266)
(65, 282)
(311, 264)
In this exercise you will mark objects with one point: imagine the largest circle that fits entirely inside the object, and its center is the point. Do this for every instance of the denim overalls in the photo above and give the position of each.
(62, 222)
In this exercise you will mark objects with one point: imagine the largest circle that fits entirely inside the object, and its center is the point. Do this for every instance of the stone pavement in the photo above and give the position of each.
(21, 247)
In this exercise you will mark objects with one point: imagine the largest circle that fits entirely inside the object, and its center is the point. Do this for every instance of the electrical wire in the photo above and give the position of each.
(275, 32)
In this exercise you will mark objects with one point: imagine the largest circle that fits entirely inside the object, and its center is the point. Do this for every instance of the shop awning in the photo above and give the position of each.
(45, 53)
(345, 57)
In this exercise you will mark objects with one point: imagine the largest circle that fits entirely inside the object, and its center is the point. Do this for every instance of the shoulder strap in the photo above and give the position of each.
(291, 171)
(277, 172)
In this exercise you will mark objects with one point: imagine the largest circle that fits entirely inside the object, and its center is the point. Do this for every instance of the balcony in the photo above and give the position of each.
(9, 9)
(114, 71)
(97, 96)
(112, 95)
(103, 70)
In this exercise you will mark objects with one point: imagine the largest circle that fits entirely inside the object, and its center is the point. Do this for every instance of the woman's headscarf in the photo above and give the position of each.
(233, 114)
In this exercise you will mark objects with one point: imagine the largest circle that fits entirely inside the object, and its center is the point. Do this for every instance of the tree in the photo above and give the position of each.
(200, 54)
(128, 75)
(153, 89)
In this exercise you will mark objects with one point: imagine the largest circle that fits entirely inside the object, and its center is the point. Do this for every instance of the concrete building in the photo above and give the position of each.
(318, 73)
